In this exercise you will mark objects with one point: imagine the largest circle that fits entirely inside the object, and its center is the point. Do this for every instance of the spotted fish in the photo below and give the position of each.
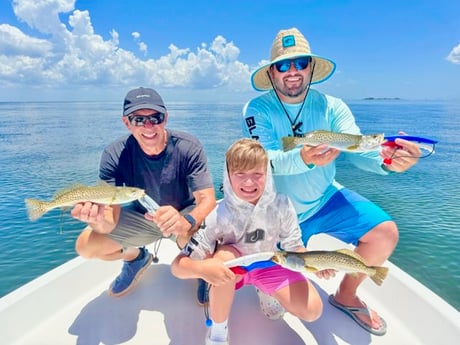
(341, 141)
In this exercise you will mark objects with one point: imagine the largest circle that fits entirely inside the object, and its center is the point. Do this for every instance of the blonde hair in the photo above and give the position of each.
(245, 154)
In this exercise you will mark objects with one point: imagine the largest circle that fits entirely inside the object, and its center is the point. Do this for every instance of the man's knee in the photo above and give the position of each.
(83, 247)
(391, 233)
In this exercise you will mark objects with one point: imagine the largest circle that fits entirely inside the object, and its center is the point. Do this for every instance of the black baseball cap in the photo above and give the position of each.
(143, 98)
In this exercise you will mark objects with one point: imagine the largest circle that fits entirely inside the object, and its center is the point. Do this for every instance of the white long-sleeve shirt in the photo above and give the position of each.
(249, 228)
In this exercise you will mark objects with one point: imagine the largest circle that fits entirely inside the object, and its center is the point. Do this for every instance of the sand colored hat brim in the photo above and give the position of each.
(323, 70)
(290, 44)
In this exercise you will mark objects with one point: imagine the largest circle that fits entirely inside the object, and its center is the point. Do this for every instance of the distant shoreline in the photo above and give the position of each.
(382, 99)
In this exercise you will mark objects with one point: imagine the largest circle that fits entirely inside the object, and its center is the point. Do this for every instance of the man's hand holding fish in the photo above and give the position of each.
(318, 155)
(99, 217)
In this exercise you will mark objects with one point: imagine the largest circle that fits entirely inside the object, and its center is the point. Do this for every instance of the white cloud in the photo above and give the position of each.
(14, 42)
(43, 14)
(142, 45)
(74, 55)
(454, 55)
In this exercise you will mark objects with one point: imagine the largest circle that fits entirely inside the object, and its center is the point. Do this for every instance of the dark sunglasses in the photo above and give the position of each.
(141, 120)
(299, 64)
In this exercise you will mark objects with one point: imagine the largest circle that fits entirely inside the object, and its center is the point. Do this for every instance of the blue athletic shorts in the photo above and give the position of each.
(347, 216)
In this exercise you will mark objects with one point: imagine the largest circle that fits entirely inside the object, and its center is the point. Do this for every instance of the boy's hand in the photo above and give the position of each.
(326, 274)
(216, 273)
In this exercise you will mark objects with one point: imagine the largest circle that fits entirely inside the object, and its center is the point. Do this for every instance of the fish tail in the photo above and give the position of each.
(36, 208)
(380, 274)
(288, 143)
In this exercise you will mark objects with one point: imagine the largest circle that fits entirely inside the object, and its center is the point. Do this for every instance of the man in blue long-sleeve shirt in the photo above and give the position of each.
(307, 174)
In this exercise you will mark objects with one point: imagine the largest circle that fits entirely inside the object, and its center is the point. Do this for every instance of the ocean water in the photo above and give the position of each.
(47, 146)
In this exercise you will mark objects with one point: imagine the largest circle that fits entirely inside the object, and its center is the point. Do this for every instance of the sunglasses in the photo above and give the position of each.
(141, 120)
(299, 64)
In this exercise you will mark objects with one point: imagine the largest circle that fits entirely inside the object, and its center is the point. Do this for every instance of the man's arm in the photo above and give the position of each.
(171, 222)
(205, 203)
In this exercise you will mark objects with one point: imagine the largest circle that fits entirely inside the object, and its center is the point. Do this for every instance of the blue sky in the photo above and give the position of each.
(205, 50)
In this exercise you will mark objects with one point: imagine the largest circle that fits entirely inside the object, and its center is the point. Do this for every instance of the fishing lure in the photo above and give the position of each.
(426, 144)
(390, 140)
(250, 262)
(151, 206)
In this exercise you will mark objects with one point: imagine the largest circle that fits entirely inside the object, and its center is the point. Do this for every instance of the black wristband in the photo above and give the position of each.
(191, 220)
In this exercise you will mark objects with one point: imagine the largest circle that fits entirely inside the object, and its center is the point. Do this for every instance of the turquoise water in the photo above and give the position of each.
(47, 146)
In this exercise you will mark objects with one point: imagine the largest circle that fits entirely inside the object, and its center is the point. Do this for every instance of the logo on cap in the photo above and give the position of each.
(288, 41)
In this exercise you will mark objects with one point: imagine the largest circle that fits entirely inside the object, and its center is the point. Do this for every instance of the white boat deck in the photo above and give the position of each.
(70, 305)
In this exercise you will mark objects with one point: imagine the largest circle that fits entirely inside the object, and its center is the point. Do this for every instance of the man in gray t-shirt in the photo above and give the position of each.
(170, 166)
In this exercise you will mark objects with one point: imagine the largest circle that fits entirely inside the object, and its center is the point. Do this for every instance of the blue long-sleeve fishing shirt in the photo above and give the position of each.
(309, 187)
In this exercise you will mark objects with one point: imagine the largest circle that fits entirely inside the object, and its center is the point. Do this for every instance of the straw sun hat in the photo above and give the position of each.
(289, 44)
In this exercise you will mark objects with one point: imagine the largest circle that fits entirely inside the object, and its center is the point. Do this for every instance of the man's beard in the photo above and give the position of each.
(282, 89)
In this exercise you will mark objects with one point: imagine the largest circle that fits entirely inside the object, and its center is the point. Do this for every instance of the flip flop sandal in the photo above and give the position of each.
(353, 311)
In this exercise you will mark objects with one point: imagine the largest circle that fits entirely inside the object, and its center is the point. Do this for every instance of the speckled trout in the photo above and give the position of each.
(103, 193)
(340, 141)
(341, 260)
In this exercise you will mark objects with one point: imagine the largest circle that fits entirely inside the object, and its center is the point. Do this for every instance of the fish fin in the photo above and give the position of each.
(275, 258)
(353, 147)
(380, 275)
(320, 131)
(288, 143)
(35, 208)
(65, 190)
(352, 253)
(311, 269)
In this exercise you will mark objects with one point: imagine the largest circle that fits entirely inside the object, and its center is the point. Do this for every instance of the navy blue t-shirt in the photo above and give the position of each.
(169, 178)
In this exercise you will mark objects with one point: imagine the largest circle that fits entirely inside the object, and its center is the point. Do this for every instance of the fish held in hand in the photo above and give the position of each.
(341, 260)
(103, 193)
(340, 141)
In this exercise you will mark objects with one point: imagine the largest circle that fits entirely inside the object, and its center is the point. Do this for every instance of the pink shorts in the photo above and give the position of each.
(270, 279)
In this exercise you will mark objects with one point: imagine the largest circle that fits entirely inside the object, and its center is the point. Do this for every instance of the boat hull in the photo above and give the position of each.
(70, 305)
